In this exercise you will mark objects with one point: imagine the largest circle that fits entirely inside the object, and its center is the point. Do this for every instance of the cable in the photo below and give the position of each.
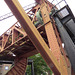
(52, 1)
(8, 15)
(58, 3)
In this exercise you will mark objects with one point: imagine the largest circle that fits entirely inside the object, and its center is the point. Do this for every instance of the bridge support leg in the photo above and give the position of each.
(52, 39)
(19, 68)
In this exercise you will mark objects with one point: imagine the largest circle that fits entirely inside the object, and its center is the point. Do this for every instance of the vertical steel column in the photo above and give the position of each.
(30, 62)
(34, 35)
(32, 68)
(52, 39)
(50, 32)
(69, 45)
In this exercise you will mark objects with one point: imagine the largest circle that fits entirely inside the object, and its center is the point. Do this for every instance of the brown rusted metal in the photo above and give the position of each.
(21, 41)
(50, 33)
(23, 47)
(15, 29)
(34, 15)
(19, 68)
(34, 35)
(52, 39)
(60, 44)
(66, 60)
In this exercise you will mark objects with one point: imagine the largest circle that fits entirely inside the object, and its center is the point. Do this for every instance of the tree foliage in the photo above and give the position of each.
(40, 67)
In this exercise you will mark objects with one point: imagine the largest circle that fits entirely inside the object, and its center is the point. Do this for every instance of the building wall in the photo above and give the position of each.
(4, 68)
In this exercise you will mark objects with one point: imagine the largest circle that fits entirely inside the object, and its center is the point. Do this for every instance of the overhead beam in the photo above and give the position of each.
(34, 35)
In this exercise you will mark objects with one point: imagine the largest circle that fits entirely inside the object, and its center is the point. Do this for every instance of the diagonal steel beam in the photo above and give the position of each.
(34, 35)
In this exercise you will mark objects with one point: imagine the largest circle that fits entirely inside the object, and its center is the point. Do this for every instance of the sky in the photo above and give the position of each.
(4, 9)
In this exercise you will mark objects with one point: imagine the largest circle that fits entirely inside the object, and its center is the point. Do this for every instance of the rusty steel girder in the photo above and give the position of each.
(34, 35)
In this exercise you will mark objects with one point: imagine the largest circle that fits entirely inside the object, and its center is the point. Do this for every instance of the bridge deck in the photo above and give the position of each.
(21, 46)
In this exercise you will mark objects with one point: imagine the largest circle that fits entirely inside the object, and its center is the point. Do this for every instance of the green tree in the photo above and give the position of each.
(40, 67)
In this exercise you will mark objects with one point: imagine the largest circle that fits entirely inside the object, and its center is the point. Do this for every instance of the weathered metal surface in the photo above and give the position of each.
(34, 35)
(64, 58)
(19, 67)
(52, 39)
(69, 45)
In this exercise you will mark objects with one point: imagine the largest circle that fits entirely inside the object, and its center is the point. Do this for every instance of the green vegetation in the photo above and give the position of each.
(40, 67)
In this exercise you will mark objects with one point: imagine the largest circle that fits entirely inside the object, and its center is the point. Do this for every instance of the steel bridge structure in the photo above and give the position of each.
(33, 34)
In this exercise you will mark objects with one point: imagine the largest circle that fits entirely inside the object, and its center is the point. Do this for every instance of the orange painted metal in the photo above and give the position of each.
(60, 44)
(52, 39)
(15, 29)
(34, 15)
(64, 56)
(50, 33)
(34, 35)
(14, 35)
